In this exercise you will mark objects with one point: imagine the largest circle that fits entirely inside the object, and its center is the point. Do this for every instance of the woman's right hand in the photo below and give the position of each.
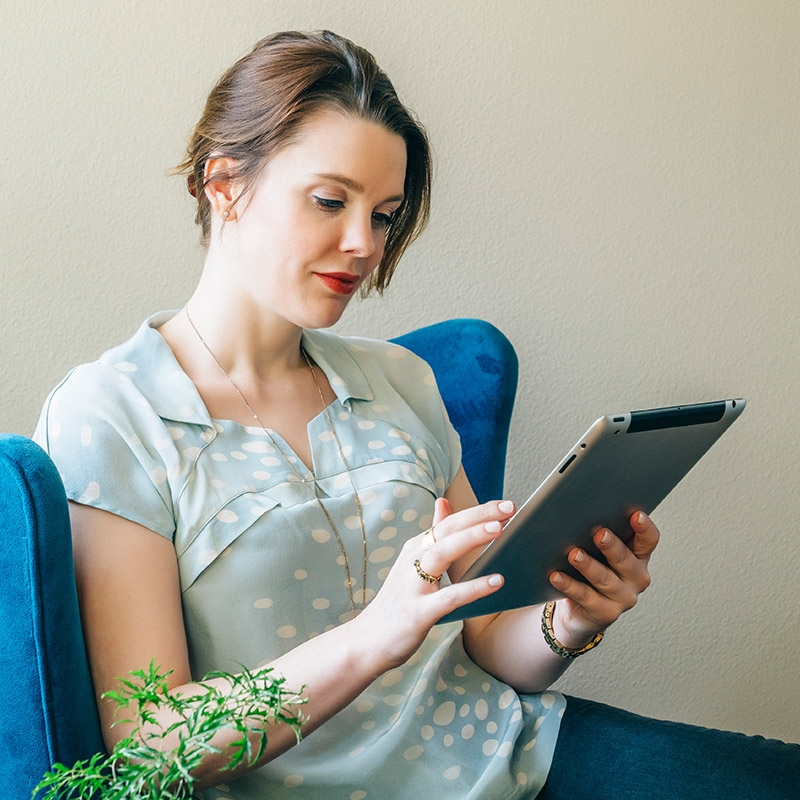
(405, 609)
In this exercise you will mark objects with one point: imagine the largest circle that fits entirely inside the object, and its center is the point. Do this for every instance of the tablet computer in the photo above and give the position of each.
(623, 463)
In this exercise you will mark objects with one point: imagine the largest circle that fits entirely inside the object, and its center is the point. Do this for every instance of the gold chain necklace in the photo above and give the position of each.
(313, 488)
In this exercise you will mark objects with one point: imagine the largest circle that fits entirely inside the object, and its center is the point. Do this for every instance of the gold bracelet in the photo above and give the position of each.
(555, 645)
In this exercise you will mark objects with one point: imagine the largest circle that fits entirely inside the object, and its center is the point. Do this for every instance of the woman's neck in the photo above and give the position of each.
(244, 338)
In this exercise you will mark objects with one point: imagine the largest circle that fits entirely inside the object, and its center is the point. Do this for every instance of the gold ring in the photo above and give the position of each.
(428, 539)
(426, 576)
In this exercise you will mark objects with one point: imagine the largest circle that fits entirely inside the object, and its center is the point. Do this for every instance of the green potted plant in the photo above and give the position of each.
(137, 769)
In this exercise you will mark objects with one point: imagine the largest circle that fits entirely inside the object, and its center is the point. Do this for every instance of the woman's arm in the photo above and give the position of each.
(130, 603)
(130, 600)
(511, 646)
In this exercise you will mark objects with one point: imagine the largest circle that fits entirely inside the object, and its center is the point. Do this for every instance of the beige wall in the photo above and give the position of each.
(618, 189)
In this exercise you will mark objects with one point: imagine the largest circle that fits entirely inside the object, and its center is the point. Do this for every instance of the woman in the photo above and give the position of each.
(247, 489)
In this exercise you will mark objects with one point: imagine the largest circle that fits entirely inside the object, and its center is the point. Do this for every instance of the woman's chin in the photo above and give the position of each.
(325, 315)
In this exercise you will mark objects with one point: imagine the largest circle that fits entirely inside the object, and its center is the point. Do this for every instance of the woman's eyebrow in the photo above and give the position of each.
(354, 186)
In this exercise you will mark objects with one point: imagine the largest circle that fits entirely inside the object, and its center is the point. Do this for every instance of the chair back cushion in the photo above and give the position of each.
(476, 369)
(48, 712)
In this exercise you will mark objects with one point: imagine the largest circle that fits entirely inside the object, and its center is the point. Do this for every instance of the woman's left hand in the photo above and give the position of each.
(613, 587)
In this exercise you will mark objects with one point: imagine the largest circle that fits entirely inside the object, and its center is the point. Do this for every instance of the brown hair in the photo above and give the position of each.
(261, 102)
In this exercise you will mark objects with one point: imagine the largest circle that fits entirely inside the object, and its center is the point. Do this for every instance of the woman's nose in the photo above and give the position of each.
(359, 236)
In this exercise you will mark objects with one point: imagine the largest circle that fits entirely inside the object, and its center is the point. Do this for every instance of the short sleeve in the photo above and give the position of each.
(112, 450)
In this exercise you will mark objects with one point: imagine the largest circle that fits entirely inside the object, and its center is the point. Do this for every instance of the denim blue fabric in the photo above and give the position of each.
(605, 753)
(47, 706)
(476, 370)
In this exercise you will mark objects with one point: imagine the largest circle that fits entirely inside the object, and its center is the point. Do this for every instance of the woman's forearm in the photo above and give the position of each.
(511, 647)
(329, 672)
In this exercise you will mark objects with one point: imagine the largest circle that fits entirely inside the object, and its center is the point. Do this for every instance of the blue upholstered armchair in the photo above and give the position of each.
(47, 707)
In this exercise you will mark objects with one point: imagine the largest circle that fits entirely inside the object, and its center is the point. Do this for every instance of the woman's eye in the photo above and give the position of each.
(327, 203)
(380, 220)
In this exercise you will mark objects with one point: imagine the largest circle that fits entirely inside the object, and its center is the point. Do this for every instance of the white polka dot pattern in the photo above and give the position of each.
(261, 571)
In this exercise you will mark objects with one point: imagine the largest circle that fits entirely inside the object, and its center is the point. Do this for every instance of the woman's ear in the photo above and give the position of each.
(220, 186)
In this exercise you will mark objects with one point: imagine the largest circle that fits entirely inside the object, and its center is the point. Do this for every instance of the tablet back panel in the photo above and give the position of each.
(623, 463)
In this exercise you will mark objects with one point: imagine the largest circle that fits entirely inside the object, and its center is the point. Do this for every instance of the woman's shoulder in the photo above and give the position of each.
(380, 379)
(137, 377)
(92, 385)
(111, 376)
(376, 358)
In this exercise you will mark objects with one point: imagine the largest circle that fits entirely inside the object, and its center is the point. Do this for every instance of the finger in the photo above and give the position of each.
(604, 580)
(428, 577)
(646, 535)
(441, 510)
(622, 560)
(571, 588)
(496, 510)
(596, 607)
(449, 598)
(448, 549)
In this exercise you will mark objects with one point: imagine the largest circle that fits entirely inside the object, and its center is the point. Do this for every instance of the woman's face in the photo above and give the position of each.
(314, 226)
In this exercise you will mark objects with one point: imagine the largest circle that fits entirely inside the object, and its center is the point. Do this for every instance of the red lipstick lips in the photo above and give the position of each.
(339, 282)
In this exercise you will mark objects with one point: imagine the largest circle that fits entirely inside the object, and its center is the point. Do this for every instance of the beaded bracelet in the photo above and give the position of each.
(555, 645)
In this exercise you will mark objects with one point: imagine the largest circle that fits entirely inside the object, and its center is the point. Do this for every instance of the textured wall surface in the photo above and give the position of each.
(618, 187)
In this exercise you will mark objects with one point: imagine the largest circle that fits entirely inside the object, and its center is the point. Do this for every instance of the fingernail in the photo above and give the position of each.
(642, 518)
(605, 537)
(493, 527)
(578, 556)
(496, 580)
(557, 578)
(506, 506)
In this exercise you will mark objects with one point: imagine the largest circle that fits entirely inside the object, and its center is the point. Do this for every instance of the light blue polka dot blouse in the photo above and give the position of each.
(261, 570)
